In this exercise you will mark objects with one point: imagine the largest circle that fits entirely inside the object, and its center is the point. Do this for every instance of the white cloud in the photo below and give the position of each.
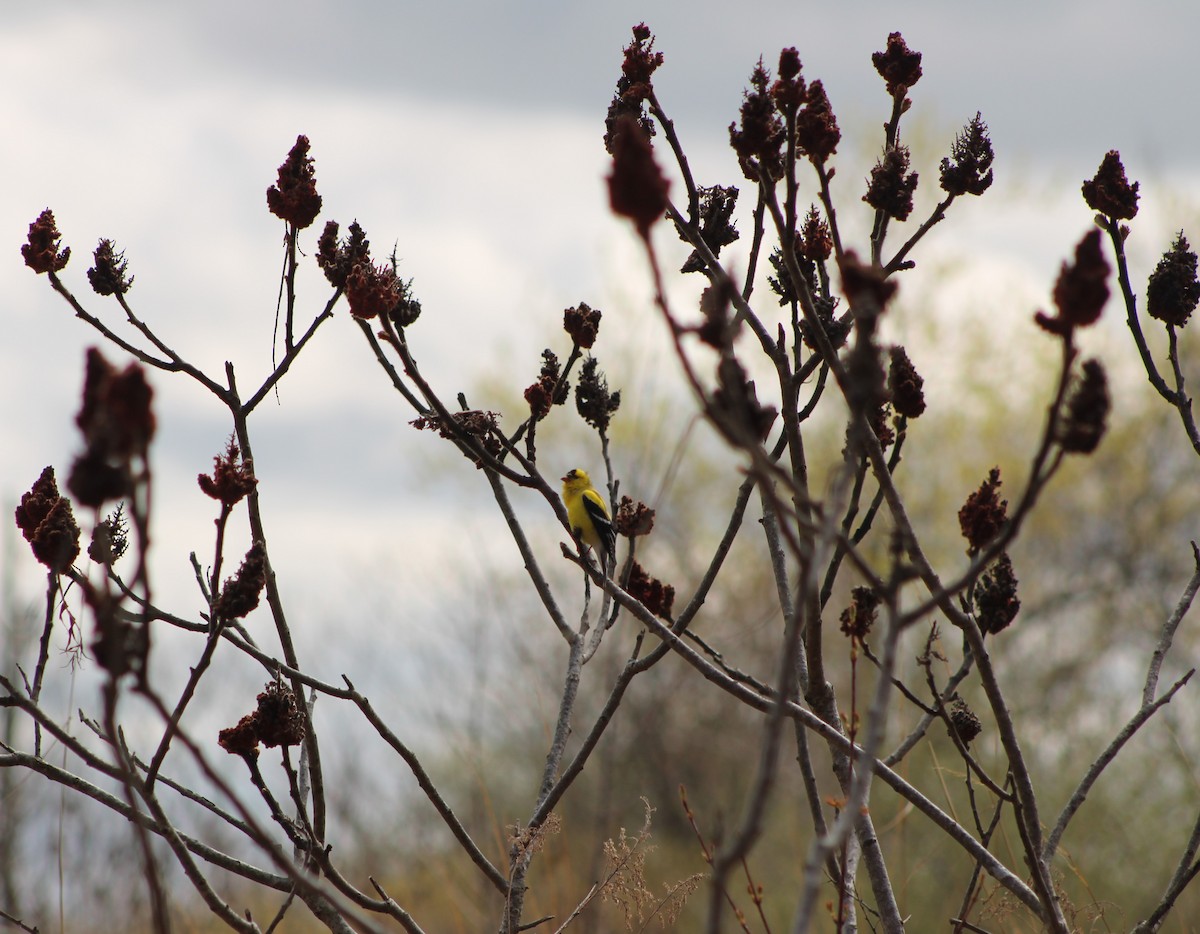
(469, 136)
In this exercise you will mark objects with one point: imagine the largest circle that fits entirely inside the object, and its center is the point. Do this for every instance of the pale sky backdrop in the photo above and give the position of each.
(469, 135)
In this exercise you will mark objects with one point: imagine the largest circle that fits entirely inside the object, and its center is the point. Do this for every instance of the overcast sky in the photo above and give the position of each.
(468, 135)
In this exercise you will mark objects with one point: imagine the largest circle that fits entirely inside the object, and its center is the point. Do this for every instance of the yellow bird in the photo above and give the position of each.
(589, 517)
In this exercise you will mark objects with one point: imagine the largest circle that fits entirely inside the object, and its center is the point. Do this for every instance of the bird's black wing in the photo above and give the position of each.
(604, 525)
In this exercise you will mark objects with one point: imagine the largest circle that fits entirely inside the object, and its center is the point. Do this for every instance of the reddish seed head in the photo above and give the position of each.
(583, 324)
(858, 618)
(996, 600)
(865, 285)
(242, 739)
(817, 133)
(890, 190)
(735, 409)
(480, 425)
(109, 275)
(760, 135)
(336, 258)
(117, 424)
(636, 186)
(633, 518)
(966, 724)
(717, 227)
(1109, 191)
(984, 513)
(241, 593)
(898, 65)
(232, 477)
(46, 520)
(41, 251)
(968, 170)
(372, 290)
(1173, 292)
(541, 395)
(1081, 289)
(634, 86)
(788, 92)
(294, 196)
(280, 722)
(654, 595)
(641, 61)
(905, 385)
(594, 402)
(1085, 417)
(816, 242)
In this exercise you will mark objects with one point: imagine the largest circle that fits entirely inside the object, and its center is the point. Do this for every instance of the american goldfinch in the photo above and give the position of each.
(589, 517)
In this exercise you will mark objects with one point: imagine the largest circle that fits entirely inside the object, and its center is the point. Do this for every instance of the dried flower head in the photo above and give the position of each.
(109, 275)
(593, 401)
(1086, 413)
(817, 133)
(720, 327)
(110, 538)
(294, 197)
(717, 228)
(816, 244)
(117, 424)
(371, 290)
(376, 290)
(759, 137)
(788, 91)
(41, 251)
(735, 409)
(337, 259)
(996, 600)
(480, 426)
(782, 283)
(1172, 293)
(634, 518)
(968, 169)
(242, 739)
(836, 330)
(867, 287)
(583, 324)
(1081, 289)
(408, 309)
(634, 87)
(276, 721)
(1110, 192)
(905, 385)
(880, 420)
(232, 478)
(898, 65)
(858, 618)
(889, 189)
(280, 722)
(652, 593)
(241, 593)
(984, 513)
(47, 521)
(640, 60)
(547, 392)
(636, 186)
(963, 719)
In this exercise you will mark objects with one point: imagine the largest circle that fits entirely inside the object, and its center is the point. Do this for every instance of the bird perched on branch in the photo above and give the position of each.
(590, 522)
